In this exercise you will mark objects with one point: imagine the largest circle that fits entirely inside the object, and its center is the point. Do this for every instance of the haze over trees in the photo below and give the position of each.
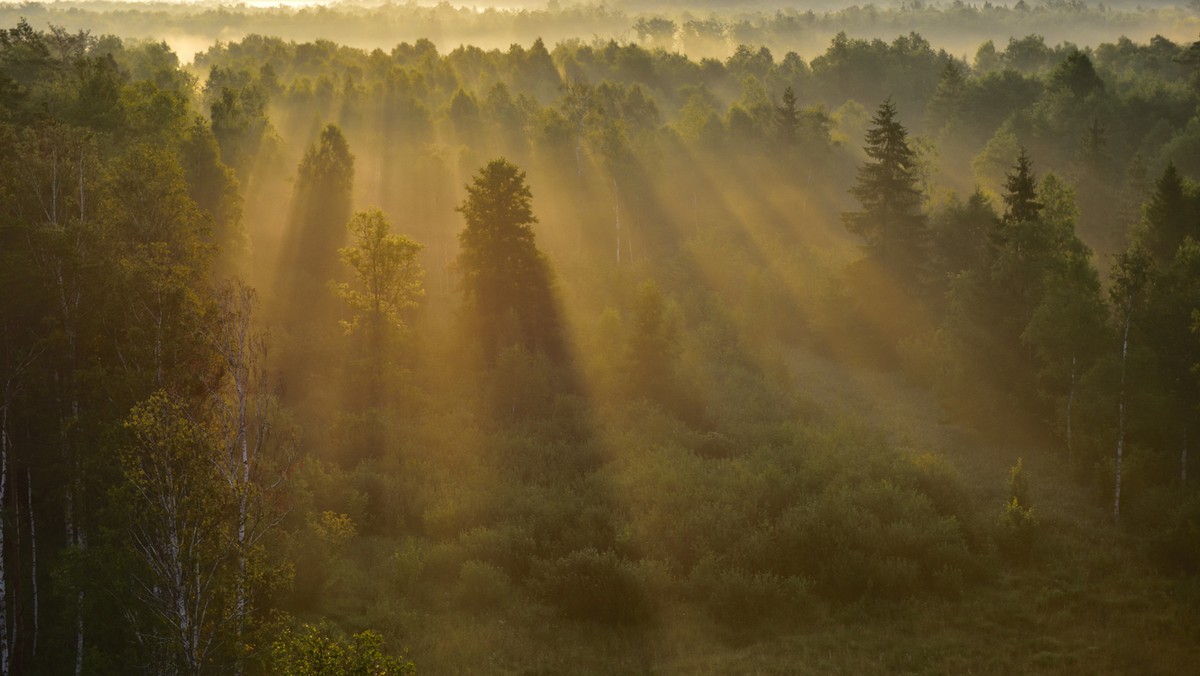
(584, 355)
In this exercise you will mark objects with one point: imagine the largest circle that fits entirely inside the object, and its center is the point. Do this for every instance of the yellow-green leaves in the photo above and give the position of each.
(387, 276)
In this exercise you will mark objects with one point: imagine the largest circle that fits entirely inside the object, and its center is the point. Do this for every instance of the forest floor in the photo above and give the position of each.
(1087, 602)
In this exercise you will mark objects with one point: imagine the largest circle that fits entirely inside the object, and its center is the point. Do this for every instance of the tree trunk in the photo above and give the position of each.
(1121, 408)
(617, 216)
(1183, 457)
(4, 651)
(1070, 404)
(32, 558)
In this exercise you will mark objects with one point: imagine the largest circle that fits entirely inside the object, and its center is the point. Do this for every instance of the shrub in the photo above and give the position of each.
(482, 585)
(1018, 529)
(737, 598)
(1175, 543)
(592, 585)
(409, 565)
(319, 650)
(1018, 524)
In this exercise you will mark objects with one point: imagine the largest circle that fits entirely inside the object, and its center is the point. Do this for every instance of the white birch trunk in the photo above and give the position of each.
(1121, 408)
(1070, 404)
(1183, 459)
(33, 556)
(5, 656)
(617, 216)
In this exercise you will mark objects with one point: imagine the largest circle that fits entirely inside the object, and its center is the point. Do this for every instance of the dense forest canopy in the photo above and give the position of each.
(599, 338)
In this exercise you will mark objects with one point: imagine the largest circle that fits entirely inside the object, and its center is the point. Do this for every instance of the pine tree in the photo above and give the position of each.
(506, 281)
(891, 222)
(1169, 216)
(320, 210)
(1020, 198)
(787, 119)
(945, 103)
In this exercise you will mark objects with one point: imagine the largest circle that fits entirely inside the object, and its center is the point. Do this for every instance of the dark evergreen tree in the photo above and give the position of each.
(320, 211)
(891, 223)
(944, 106)
(1077, 75)
(507, 283)
(1170, 216)
(787, 119)
(1020, 199)
(1168, 321)
(960, 232)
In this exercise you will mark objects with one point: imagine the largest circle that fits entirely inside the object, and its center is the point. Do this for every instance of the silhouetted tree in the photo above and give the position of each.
(1020, 198)
(891, 222)
(1170, 216)
(507, 283)
(653, 345)
(320, 211)
(787, 119)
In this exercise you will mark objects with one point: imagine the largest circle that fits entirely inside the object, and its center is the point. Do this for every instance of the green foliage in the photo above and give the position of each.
(653, 346)
(892, 223)
(748, 601)
(1018, 530)
(536, 483)
(1175, 541)
(1018, 485)
(1020, 197)
(1018, 524)
(593, 585)
(506, 281)
(313, 650)
(386, 271)
(482, 585)
(1170, 215)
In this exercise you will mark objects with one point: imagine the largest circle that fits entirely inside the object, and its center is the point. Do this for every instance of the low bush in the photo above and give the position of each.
(737, 598)
(482, 586)
(593, 585)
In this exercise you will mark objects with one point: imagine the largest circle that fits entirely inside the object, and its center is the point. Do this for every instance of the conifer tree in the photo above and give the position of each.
(891, 223)
(944, 105)
(506, 281)
(1020, 198)
(1169, 216)
(787, 119)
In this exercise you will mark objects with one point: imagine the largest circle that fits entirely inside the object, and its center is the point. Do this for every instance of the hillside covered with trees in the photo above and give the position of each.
(692, 349)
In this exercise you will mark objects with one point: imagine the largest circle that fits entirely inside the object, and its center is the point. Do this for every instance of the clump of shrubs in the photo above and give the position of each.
(593, 585)
(1018, 524)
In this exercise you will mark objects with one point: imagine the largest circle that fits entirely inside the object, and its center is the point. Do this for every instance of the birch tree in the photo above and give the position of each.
(257, 448)
(180, 531)
(1130, 279)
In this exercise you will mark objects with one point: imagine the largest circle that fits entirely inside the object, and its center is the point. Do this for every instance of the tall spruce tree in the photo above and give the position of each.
(1169, 216)
(507, 283)
(891, 223)
(787, 119)
(1020, 199)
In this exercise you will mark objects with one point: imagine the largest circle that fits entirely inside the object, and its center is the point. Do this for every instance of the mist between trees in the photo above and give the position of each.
(592, 356)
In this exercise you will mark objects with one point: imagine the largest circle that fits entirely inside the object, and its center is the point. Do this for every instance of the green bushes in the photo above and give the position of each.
(1175, 540)
(1018, 525)
(592, 585)
(740, 599)
(319, 651)
(482, 585)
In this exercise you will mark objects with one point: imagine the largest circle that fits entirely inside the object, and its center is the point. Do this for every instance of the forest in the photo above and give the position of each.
(599, 339)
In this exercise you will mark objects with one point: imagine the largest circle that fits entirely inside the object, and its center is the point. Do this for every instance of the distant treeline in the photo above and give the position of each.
(712, 30)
